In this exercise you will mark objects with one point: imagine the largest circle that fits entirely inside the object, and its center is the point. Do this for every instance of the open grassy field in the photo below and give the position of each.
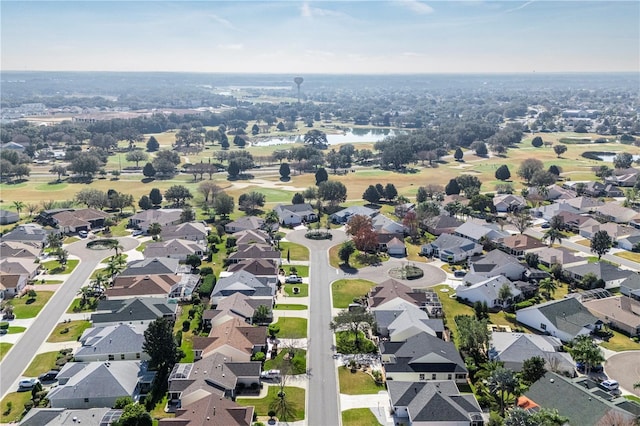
(22, 309)
(41, 364)
(619, 342)
(17, 399)
(296, 251)
(53, 266)
(359, 417)
(74, 330)
(345, 291)
(292, 328)
(295, 396)
(357, 383)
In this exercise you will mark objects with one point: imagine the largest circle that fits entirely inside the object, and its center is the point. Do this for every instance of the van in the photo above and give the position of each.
(610, 385)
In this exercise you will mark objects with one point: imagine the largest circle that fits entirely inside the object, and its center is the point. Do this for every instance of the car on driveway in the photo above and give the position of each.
(594, 368)
(270, 374)
(27, 384)
(610, 385)
(83, 234)
(293, 279)
(137, 233)
(49, 376)
(546, 225)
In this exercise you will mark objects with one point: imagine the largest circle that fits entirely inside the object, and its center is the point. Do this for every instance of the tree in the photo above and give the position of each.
(155, 196)
(541, 417)
(19, 206)
(115, 265)
(160, 345)
(62, 255)
(521, 220)
(372, 195)
(233, 169)
(529, 167)
(390, 192)
(458, 154)
(316, 138)
(194, 261)
(85, 164)
(346, 250)
(134, 415)
(542, 178)
(152, 144)
(480, 148)
(154, 229)
(559, 149)
(537, 142)
(54, 240)
(585, 350)
(556, 170)
(332, 191)
(452, 188)
(285, 171)
(532, 370)
(601, 243)
(473, 335)
(145, 203)
(502, 382)
(354, 320)
(503, 173)
(358, 222)
(179, 194)
(251, 202)
(32, 207)
(468, 184)
(548, 287)
(262, 314)
(137, 156)
(421, 196)
(148, 170)
(602, 172)
(553, 235)
(505, 294)
(59, 170)
(298, 198)
(321, 176)
(223, 204)
(622, 160)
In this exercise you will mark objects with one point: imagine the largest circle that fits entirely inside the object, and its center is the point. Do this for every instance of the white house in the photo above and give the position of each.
(497, 262)
(451, 248)
(488, 291)
(295, 214)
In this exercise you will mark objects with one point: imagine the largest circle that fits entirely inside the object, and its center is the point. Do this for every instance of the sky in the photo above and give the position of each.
(337, 37)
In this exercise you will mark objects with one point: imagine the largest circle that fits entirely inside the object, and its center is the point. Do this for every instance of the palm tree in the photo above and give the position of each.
(54, 240)
(31, 208)
(504, 294)
(101, 281)
(115, 265)
(62, 256)
(154, 229)
(115, 244)
(585, 350)
(271, 219)
(553, 235)
(503, 382)
(548, 286)
(85, 293)
(18, 205)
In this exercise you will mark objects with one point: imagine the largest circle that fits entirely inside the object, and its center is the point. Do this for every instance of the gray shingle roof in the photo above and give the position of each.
(423, 353)
(129, 310)
(568, 315)
(122, 338)
(152, 266)
(604, 270)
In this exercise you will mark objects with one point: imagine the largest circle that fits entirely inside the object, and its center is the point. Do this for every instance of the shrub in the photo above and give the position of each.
(4, 325)
(524, 304)
(186, 325)
(206, 270)
(259, 356)
(318, 235)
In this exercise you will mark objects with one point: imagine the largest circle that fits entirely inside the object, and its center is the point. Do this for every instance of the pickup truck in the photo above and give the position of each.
(293, 279)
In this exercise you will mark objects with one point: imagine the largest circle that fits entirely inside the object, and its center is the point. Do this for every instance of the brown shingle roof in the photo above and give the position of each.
(235, 333)
(211, 409)
(142, 285)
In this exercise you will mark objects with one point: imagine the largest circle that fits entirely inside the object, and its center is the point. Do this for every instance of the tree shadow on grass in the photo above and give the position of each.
(348, 269)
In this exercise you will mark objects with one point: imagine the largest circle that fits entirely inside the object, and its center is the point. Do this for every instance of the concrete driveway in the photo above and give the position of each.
(625, 368)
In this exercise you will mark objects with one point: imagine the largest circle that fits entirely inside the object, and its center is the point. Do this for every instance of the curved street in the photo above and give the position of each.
(21, 354)
(625, 368)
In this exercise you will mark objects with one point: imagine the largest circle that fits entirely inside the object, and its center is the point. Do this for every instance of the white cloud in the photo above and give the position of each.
(220, 20)
(522, 6)
(412, 54)
(237, 46)
(306, 11)
(416, 6)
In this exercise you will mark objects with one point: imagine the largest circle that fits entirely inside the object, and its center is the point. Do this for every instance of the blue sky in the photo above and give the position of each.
(399, 36)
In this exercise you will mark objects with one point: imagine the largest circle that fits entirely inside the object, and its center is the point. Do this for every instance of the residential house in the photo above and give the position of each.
(580, 400)
(584, 204)
(99, 384)
(13, 146)
(244, 282)
(245, 223)
(422, 357)
(381, 223)
(215, 374)
(548, 211)
(519, 244)
(497, 262)
(122, 342)
(235, 339)
(251, 237)
(630, 243)
(140, 310)
(401, 210)
(71, 222)
(623, 177)
(631, 286)
(390, 290)
(451, 248)
(237, 305)
(295, 214)
(151, 266)
(614, 212)
(64, 417)
(257, 267)
(203, 407)
(442, 224)
(514, 348)
(165, 217)
(399, 321)
(12, 285)
(477, 232)
(554, 192)
(385, 238)
(255, 251)
(17, 249)
(564, 319)
(610, 274)
(433, 403)
(488, 291)
(7, 217)
(573, 221)
(155, 285)
(192, 231)
(29, 233)
(614, 230)
(19, 266)
(175, 249)
(560, 255)
(508, 203)
(618, 312)
(342, 217)
(396, 247)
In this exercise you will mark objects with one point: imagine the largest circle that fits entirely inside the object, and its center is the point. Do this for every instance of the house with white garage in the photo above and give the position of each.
(513, 349)
(508, 203)
(342, 217)
(165, 217)
(497, 262)
(564, 319)
(295, 214)
(112, 343)
(451, 248)
(488, 291)
(400, 320)
(631, 286)
(610, 274)
(477, 232)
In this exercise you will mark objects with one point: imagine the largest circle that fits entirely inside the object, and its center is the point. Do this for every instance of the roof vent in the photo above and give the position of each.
(552, 380)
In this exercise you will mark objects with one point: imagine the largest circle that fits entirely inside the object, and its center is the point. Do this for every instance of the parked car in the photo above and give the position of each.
(49, 376)
(137, 232)
(610, 385)
(83, 234)
(293, 279)
(546, 225)
(27, 384)
(459, 273)
(594, 369)
(270, 374)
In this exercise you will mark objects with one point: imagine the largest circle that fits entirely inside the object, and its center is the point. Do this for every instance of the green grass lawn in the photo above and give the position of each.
(357, 383)
(451, 307)
(292, 328)
(344, 291)
(22, 309)
(619, 342)
(74, 308)
(50, 282)
(304, 290)
(158, 411)
(17, 399)
(73, 333)
(295, 396)
(359, 417)
(301, 270)
(296, 251)
(53, 267)
(629, 255)
(298, 367)
(16, 330)
(41, 364)
(289, 307)
(4, 348)
(633, 398)
(70, 240)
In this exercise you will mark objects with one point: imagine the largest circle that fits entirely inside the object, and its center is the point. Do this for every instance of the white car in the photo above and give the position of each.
(293, 279)
(610, 385)
(270, 374)
(27, 384)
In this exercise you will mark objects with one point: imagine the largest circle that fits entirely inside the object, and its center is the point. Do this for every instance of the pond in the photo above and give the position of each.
(349, 136)
(609, 156)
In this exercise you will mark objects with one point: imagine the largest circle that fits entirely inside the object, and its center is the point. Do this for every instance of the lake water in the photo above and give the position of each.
(349, 136)
(609, 157)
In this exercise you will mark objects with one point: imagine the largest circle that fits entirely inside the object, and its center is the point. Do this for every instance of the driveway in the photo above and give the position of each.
(625, 368)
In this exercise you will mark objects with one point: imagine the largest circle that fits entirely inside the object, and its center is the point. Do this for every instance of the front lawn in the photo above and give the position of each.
(289, 307)
(41, 364)
(298, 362)
(75, 308)
(296, 251)
(300, 270)
(16, 330)
(17, 399)
(619, 342)
(303, 290)
(53, 267)
(292, 328)
(295, 397)
(451, 307)
(68, 331)
(22, 309)
(359, 417)
(629, 255)
(345, 291)
(4, 348)
(357, 383)
(346, 343)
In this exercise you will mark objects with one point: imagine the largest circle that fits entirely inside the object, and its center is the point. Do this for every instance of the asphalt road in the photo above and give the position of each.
(323, 394)
(21, 354)
(625, 368)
